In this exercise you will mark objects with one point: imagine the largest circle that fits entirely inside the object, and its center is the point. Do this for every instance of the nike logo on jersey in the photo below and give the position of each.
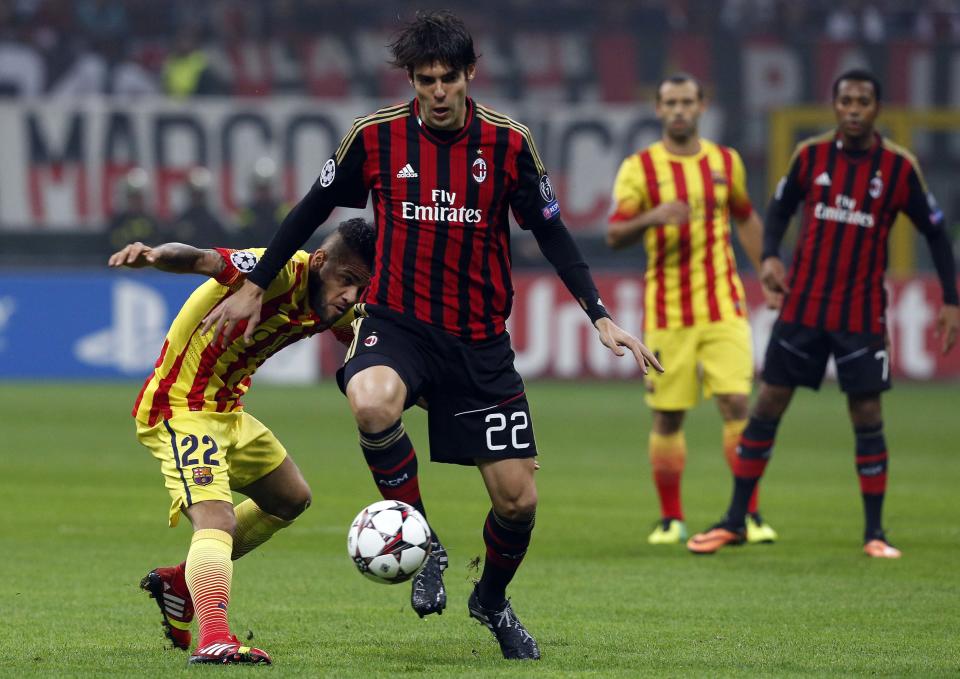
(407, 172)
(822, 180)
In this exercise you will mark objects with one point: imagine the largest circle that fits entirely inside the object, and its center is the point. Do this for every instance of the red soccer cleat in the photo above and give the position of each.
(228, 651)
(168, 588)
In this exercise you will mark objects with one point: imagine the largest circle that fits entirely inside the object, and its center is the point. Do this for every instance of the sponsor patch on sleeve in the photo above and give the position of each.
(936, 214)
(551, 210)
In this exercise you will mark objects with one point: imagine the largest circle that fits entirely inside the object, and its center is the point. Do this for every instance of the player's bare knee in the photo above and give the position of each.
(865, 409)
(667, 422)
(294, 505)
(517, 507)
(772, 401)
(375, 405)
(733, 406)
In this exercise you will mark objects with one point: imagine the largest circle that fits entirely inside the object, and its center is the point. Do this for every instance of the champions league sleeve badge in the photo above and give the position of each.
(328, 172)
(244, 260)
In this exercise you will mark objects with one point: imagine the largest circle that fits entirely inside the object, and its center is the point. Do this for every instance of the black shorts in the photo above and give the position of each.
(476, 402)
(797, 356)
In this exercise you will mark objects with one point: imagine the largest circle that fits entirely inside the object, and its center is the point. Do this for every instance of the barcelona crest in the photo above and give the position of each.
(202, 476)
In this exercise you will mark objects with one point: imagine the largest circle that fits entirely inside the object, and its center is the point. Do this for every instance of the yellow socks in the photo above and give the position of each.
(254, 527)
(208, 574)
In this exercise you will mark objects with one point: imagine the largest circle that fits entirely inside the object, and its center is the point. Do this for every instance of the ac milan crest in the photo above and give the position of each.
(479, 170)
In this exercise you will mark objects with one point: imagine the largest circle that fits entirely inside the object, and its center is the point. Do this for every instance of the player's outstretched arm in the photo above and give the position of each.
(171, 257)
(614, 337)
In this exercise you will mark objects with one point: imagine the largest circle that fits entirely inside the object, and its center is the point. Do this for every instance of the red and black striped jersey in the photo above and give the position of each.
(849, 203)
(441, 207)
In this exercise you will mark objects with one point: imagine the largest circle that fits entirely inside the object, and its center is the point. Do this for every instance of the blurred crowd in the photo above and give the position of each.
(196, 223)
(185, 48)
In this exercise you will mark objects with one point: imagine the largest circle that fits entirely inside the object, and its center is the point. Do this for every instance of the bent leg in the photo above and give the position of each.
(274, 502)
(209, 569)
(508, 526)
(755, 447)
(733, 411)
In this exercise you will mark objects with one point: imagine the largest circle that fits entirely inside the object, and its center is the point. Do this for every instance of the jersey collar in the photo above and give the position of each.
(436, 139)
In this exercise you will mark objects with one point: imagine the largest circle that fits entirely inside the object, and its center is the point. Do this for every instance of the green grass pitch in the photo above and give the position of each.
(85, 511)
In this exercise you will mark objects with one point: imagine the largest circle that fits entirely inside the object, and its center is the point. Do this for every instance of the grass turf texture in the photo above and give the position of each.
(86, 510)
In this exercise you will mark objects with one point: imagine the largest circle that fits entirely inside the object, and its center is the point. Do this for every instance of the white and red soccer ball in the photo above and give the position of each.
(389, 541)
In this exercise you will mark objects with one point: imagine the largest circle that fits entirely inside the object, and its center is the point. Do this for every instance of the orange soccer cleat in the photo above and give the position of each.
(879, 548)
(714, 538)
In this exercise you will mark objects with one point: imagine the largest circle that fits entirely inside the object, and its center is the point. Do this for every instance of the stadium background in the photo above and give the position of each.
(82, 102)
(91, 89)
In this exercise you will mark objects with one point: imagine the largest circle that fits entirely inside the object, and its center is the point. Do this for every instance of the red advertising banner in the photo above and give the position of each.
(552, 337)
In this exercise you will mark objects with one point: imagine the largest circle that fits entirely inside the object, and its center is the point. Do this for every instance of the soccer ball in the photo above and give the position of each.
(389, 541)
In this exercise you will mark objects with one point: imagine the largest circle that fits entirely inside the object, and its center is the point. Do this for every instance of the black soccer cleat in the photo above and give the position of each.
(428, 594)
(515, 641)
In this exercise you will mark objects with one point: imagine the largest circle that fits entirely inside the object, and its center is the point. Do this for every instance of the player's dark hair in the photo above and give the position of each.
(679, 79)
(360, 237)
(859, 75)
(433, 37)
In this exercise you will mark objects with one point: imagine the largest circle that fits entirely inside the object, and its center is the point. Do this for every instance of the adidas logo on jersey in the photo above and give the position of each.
(407, 172)
(822, 180)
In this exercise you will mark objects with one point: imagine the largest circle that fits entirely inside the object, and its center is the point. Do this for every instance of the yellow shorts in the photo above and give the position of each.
(204, 455)
(718, 354)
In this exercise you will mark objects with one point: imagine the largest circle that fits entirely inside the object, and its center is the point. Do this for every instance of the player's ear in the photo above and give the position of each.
(471, 71)
(317, 259)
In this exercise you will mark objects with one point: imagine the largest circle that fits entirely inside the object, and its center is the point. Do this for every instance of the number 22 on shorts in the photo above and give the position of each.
(498, 423)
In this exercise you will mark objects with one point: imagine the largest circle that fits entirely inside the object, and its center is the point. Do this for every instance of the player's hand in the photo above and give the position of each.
(948, 325)
(243, 306)
(613, 337)
(772, 300)
(674, 212)
(773, 278)
(136, 256)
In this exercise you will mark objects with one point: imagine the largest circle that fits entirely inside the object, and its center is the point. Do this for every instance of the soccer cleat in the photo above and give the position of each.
(714, 538)
(428, 595)
(879, 548)
(668, 532)
(228, 651)
(758, 531)
(169, 589)
(514, 639)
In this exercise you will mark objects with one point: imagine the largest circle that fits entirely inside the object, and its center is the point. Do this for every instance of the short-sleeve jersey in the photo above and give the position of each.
(441, 207)
(194, 373)
(691, 275)
(849, 204)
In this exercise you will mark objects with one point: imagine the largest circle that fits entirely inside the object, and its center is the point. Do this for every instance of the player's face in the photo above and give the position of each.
(442, 95)
(338, 284)
(679, 109)
(856, 108)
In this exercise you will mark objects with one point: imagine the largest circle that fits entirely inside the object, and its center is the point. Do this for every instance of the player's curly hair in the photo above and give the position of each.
(360, 237)
(858, 75)
(433, 37)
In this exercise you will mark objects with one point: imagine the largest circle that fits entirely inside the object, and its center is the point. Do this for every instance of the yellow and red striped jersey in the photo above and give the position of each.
(691, 273)
(193, 373)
